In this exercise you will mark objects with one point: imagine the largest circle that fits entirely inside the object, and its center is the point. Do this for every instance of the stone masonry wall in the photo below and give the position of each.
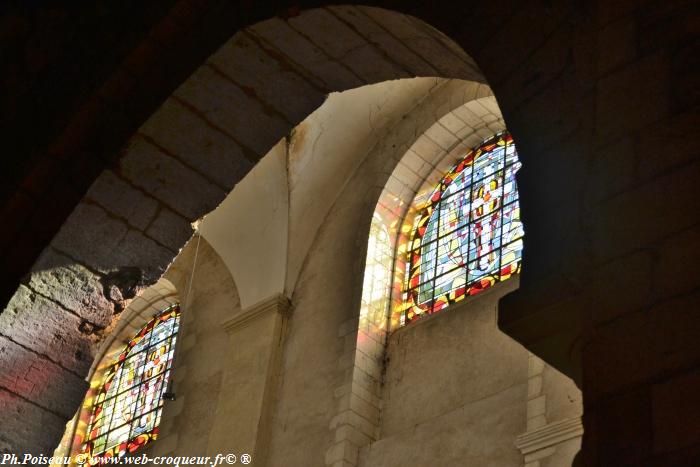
(602, 99)
(178, 166)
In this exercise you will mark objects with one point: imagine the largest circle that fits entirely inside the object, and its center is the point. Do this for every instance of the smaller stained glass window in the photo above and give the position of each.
(127, 408)
(468, 236)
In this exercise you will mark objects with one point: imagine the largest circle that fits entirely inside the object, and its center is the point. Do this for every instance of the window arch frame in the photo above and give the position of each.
(113, 373)
(410, 308)
(141, 309)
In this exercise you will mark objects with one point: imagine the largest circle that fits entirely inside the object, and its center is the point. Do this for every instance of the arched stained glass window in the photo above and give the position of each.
(127, 408)
(468, 235)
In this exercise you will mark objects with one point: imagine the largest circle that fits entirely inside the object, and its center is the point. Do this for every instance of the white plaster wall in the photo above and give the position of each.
(255, 214)
(455, 390)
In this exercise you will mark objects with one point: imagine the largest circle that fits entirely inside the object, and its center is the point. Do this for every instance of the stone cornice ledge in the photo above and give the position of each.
(277, 303)
(549, 435)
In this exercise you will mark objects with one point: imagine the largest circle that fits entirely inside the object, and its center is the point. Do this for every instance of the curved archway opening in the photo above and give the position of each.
(122, 397)
(195, 147)
(220, 121)
(393, 364)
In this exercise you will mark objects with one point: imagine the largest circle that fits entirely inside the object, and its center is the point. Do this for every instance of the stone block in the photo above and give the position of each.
(370, 346)
(27, 428)
(369, 365)
(168, 180)
(76, 288)
(364, 409)
(274, 80)
(349, 417)
(645, 214)
(442, 136)
(671, 399)
(417, 38)
(508, 44)
(39, 380)
(612, 170)
(623, 428)
(39, 324)
(534, 386)
(427, 149)
(677, 254)
(536, 406)
(452, 123)
(362, 380)
(617, 44)
(209, 151)
(170, 229)
(342, 451)
(415, 164)
(667, 144)
(626, 103)
(330, 34)
(557, 111)
(227, 107)
(137, 250)
(674, 342)
(641, 345)
(366, 395)
(484, 132)
(406, 176)
(685, 74)
(352, 434)
(622, 286)
(535, 422)
(667, 24)
(546, 64)
(610, 11)
(472, 114)
(280, 35)
(392, 47)
(90, 235)
(344, 44)
(535, 365)
(373, 66)
(123, 200)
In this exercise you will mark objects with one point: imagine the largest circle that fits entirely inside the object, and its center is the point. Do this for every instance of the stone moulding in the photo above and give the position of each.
(549, 435)
(277, 303)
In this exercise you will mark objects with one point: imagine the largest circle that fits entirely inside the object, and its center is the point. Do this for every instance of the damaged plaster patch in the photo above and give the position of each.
(122, 285)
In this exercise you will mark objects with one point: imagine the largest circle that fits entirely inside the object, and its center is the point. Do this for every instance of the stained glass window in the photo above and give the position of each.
(468, 235)
(127, 408)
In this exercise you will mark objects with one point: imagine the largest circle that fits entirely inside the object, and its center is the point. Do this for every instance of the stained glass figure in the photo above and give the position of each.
(127, 408)
(468, 236)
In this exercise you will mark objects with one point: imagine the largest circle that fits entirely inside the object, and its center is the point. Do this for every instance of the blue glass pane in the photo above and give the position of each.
(472, 219)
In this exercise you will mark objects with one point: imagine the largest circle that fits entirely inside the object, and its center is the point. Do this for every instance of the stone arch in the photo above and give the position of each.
(417, 172)
(574, 107)
(210, 132)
